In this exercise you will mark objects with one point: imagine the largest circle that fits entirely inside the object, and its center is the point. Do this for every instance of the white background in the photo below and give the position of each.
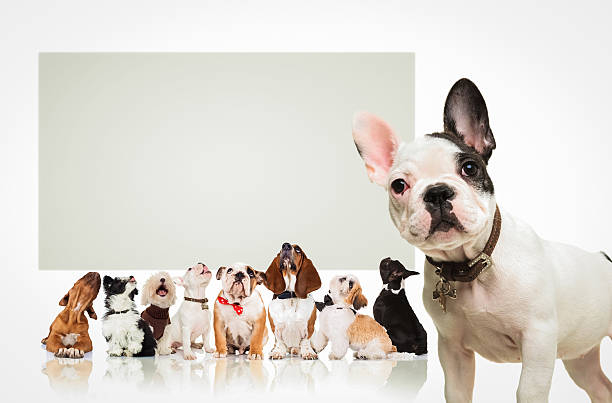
(544, 69)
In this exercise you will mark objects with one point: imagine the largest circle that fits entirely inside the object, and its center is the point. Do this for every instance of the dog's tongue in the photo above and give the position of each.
(162, 293)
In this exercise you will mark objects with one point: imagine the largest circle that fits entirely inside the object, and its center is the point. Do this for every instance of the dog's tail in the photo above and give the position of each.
(606, 256)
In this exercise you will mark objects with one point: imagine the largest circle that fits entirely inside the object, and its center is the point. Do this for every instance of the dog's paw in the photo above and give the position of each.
(310, 355)
(219, 355)
(188, 355)
(73, 353)
(134, 348)
(255, 356)
(165, 351)
(276, 355)
(209, 350)
(294, 351)
(197, 346)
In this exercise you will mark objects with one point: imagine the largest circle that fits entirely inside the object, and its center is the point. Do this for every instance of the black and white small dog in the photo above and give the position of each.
(125, 331)
(393, 311)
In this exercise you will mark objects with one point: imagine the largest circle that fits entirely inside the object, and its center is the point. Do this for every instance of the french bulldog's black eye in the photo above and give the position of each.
(399, 186)
(189, 269)
(250, 273)
(469, 168)
(297, 250)
(229, 270)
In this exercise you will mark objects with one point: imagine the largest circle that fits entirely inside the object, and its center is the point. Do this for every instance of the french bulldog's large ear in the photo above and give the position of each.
(377, 145)
(274, 278)
(466, 116)
(178, 281)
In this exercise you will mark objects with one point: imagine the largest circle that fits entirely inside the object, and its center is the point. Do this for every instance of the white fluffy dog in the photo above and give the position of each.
(193, 318)
(159, 291)
(343, 327)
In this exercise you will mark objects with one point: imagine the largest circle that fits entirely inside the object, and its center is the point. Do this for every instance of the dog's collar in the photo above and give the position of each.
(327, 301)
(113, 312)
(203, 301)
(237, 308)
(285, 295)
(469, 270)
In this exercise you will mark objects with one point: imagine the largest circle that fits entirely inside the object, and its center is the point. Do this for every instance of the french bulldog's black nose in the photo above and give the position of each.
(286, 246)
(239, 275)
(163, 280)
(437, 194)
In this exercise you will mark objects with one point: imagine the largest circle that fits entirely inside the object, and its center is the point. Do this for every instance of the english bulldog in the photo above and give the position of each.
(292, 312)
(239, 318)
(492, 285)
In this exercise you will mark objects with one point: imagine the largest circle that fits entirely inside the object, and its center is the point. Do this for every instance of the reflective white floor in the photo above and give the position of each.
(28, 371)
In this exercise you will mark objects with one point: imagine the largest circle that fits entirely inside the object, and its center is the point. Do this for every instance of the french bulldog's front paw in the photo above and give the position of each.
(188, 355)
(197, 346)
(255, 356)
(276, 355)
(73, 353)
(220, 354)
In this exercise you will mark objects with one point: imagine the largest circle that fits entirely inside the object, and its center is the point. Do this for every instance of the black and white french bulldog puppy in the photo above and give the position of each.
(492, 285)
(393, 311)
(126, 333)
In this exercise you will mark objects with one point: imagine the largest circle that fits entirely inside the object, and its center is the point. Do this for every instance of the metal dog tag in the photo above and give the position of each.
(444, 289)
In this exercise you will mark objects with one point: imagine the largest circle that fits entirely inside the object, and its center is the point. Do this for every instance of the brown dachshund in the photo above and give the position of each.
(68, 335)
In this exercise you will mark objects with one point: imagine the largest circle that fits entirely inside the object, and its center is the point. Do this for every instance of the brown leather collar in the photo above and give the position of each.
(203, 301)
(469, 270)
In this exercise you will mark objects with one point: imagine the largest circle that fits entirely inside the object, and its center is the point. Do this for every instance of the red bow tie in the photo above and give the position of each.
(235, 305)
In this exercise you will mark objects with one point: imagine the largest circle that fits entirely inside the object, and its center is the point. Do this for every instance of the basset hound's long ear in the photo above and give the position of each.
(64, 300)
(274, 278)
(356, 298)
(307, 280)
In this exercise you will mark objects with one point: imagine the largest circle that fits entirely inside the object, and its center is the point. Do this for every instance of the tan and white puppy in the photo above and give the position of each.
(193, 317)
(159, 292)
(240, 315)
(340, 325)
(292, 277)
(537, 301)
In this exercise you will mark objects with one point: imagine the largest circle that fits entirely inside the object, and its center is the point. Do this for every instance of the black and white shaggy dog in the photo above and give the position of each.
(125, 331)
(393, 311)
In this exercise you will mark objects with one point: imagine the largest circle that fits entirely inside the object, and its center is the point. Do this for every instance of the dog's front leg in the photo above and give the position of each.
(187, 353)
(220, 336)
(339, 346)
(538, 354)
(458, 364)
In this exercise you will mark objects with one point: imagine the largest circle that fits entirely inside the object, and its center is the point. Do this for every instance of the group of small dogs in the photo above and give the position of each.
(239, 316)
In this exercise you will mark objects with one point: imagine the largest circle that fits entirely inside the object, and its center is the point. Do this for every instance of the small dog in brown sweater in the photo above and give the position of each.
(160, 292)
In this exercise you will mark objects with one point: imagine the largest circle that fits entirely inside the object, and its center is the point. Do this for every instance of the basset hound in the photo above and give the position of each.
(292, 312)
(68, 334)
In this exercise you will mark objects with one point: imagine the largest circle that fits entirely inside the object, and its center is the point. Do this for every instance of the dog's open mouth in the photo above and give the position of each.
(162, 291)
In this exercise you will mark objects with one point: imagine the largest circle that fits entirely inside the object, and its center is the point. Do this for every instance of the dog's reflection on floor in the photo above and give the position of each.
(68, 376)
(237, 375)
(158, 373)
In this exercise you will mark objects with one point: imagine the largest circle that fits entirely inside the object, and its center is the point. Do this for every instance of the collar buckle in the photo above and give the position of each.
(483, 259)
